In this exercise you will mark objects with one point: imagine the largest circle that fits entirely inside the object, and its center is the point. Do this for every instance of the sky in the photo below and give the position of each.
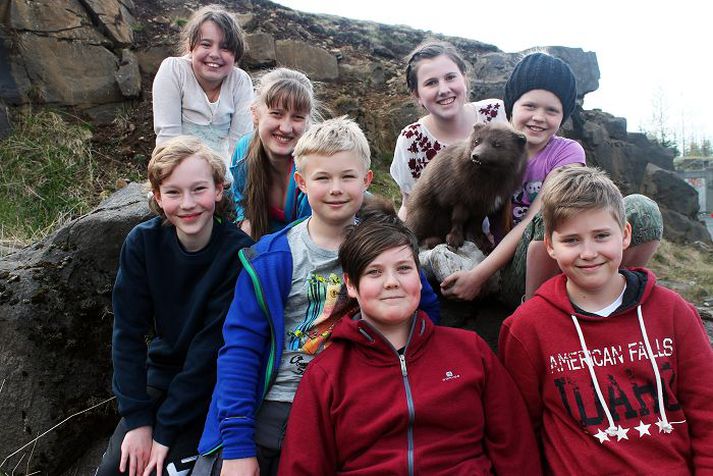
(649, 52)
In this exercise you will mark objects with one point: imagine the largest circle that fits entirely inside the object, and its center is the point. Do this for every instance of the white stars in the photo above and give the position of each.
(621, 433)
(643, 429)
(601, 436)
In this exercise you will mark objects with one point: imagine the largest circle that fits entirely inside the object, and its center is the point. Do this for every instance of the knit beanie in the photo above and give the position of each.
(542, 71)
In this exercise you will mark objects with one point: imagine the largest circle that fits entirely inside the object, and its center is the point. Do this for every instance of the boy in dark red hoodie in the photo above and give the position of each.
(616, 371)
(395, 394)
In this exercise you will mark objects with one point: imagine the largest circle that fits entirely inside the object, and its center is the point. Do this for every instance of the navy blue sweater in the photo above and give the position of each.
(180, 298)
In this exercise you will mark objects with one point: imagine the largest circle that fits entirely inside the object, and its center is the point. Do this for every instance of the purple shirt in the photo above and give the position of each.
(558, 152)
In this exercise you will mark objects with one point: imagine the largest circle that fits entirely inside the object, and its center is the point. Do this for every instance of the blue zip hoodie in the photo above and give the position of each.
(254, 333)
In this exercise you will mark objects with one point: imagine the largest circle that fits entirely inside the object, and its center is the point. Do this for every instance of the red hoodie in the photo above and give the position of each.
(619, 421)
(447, 406)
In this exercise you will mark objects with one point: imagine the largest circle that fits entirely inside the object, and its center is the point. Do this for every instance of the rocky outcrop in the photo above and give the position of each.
(68, 53)
(357, 67)
(55, 329)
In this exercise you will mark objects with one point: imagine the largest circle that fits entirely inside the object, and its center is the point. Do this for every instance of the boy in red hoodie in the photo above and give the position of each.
(395, 394)
(616, 371)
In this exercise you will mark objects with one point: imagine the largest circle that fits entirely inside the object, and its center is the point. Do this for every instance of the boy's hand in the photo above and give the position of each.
(136, 450)
(240, 467)
(464, 285)
(157, 460)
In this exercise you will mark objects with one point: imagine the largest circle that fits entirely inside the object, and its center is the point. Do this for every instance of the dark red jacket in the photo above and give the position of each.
(446, 407)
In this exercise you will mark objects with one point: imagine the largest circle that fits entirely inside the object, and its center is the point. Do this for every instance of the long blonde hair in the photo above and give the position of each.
(280, 88)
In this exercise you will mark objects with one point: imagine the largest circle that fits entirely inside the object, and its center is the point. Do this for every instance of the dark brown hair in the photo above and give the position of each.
(233, 36)
(378, 229)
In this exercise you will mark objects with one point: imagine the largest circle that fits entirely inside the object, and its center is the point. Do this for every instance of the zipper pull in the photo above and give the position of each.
(402, 359)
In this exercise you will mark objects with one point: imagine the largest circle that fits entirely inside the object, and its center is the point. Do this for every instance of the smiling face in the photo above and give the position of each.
(211, 59)
(440, 86)
(334, 185)
(389, 290)
(588, 248)
(188, 197)
(279, 129)
(538, 115)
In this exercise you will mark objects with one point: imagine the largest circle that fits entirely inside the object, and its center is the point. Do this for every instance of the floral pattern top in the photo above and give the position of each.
(416, 147)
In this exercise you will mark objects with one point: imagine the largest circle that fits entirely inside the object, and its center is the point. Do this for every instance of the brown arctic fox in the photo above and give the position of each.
(466, 182)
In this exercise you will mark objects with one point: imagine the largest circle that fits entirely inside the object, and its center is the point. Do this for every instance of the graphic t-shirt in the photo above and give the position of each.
(316, 282)
(558, 152)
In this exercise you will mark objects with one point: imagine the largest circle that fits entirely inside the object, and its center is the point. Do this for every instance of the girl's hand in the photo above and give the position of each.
(463, 285)
(240, 467)
(157, 460)
(136, 450)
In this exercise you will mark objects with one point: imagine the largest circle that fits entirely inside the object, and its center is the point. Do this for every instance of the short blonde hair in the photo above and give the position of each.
(330, 137)
(168, 155)
(570, 190)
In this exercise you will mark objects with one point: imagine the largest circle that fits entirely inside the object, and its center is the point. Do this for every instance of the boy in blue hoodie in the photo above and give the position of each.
(282, 313)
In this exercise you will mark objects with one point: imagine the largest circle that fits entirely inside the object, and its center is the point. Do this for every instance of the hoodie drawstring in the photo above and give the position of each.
(664, 424)
(590, 365)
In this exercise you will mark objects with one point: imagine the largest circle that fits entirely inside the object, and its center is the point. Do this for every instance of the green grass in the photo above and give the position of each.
(48, 176)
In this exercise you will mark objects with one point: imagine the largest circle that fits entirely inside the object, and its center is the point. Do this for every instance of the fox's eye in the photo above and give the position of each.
(476, 141)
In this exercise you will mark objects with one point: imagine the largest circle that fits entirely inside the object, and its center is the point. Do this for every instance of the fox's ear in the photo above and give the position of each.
(479, 125)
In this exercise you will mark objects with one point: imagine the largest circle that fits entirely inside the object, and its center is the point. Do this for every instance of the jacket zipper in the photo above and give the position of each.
(411, 414)
(269, 370)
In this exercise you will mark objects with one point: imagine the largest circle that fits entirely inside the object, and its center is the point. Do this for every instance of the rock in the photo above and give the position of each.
(128, 76)
(682, 229)
(150, 58)
(42, 17)
(55, 326)
(59, 72)
(584, 66)
(670, 191)
(317, 63)
(246, 21)
(114, 19)
(261, 51)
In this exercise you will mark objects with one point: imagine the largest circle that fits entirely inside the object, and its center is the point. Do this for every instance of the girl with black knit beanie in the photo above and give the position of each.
(540, 95)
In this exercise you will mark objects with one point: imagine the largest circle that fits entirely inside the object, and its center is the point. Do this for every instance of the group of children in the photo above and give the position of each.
(327, 321)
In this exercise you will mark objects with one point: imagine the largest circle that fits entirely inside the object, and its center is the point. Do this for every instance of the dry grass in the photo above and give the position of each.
(50, 174)
(687, 269)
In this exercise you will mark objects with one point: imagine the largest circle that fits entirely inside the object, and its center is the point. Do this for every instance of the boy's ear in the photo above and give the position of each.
(548, 245)
(218, 192)
(300, 181)
(351, 289)
(157, 197)
(368, 178)
(627, 236)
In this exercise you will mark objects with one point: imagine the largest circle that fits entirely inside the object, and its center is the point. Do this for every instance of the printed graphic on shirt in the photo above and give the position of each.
(628, 389)
(523, 198)
(311, 336)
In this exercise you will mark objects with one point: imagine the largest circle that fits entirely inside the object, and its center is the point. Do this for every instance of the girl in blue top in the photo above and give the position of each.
(264, 190)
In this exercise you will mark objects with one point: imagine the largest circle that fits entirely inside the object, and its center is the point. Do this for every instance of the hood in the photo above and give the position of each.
(554, 291)
(355, 331)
